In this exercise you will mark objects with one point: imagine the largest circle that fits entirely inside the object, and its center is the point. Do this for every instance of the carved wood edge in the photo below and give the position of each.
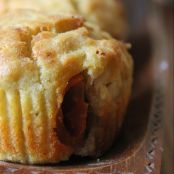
(155, 132)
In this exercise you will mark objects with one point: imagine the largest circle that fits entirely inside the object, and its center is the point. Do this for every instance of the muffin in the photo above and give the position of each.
(64, 88)
(108, 14)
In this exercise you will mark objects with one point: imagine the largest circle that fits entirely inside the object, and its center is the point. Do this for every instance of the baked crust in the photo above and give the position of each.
(39, 57)
(108, 14)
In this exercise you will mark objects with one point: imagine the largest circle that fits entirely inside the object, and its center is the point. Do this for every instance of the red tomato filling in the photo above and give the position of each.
(73, 116)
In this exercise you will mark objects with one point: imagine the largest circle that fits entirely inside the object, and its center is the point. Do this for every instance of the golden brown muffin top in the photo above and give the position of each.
(108, 14)
(41, 51)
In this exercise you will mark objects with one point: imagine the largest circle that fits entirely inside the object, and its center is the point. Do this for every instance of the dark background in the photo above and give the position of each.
(153, 20)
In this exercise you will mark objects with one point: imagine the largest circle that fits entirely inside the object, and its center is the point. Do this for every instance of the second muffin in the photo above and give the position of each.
(107, 14)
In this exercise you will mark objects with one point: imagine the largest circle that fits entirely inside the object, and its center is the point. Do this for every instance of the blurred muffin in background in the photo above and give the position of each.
(107, 14)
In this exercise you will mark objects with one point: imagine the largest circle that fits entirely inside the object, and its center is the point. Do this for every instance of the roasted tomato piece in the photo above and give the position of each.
(73, 114)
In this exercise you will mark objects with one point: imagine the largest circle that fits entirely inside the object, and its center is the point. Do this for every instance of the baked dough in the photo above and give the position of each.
(108, 14)
(63, 88)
